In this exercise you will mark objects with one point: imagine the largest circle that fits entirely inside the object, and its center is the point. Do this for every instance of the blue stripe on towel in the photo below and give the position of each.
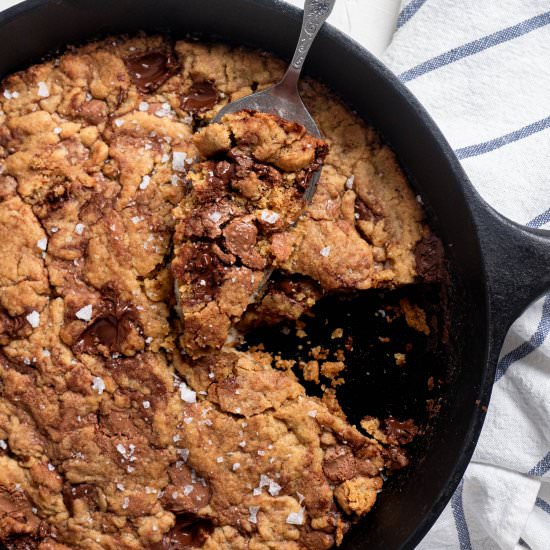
(541, 467)
(497, 143)
(540, 220)
(457, 506)
(409, 11)
(527, 347)
(543, 505)
(476, 46)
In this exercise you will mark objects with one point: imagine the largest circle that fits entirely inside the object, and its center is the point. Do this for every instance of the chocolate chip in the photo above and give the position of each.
(112, 326)
(11, 326)
(27, 542)
(316, 540)
(365, 212)
(339, 464)
(225, 171)
(240, 239)
(429, 256)
(151, 69)
(189, 532)
(22, 543)
(400, 433)
(202, 96)
(199, 266)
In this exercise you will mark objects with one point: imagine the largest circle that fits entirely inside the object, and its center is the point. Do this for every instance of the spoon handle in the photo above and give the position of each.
(316, 13)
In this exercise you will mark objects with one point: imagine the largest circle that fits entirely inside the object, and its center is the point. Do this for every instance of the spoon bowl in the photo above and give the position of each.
(283, 99)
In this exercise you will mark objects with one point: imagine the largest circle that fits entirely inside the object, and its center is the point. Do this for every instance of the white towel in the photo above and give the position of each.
(482, 70)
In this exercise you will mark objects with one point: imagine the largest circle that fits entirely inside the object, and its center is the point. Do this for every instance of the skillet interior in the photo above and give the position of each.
(412, 502)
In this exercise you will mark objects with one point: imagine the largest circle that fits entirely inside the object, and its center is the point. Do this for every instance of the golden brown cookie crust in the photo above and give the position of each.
(108, 437)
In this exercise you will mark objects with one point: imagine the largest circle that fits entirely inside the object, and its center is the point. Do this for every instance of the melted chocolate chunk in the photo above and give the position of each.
(21, 543)
(225, 171)
(27, 542)
(339, 464)
(396, 458)
(400, 433)
(289, 287)
(200, 266)
(189, 532)
(11, 326)
(202, 96)
(150, 70)
(429, 256)
(365, 212)
(110, 328)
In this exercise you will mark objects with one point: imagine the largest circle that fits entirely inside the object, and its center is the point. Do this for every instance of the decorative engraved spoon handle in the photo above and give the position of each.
(316, 13)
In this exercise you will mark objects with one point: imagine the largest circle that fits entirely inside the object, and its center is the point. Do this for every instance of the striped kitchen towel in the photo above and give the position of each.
(482, 70)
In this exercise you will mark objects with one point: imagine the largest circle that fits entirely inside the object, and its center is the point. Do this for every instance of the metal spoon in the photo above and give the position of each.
(283, 99)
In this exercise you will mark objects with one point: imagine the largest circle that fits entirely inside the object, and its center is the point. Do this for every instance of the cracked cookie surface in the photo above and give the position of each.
(109, 437)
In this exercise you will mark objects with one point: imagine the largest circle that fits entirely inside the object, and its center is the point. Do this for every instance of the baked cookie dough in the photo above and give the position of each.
(248, 190)
(110, 437)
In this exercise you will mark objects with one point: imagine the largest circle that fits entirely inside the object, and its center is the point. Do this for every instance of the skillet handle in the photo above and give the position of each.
(517, 261)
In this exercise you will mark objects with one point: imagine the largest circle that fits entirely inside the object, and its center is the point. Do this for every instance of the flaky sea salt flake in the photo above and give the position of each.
(274, 488)
(253, 517)
(145, 182)
(215, 216)
(178, 160)
(43, 90)
(85, 313)
(187, 394)
(98, 384)
(33, 318)
(325, 251)
(296, 518)
(269, 216)
(42, 244)
(184, 453)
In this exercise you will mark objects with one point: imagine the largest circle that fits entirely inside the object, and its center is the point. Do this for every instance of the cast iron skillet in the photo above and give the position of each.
(498, 267)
